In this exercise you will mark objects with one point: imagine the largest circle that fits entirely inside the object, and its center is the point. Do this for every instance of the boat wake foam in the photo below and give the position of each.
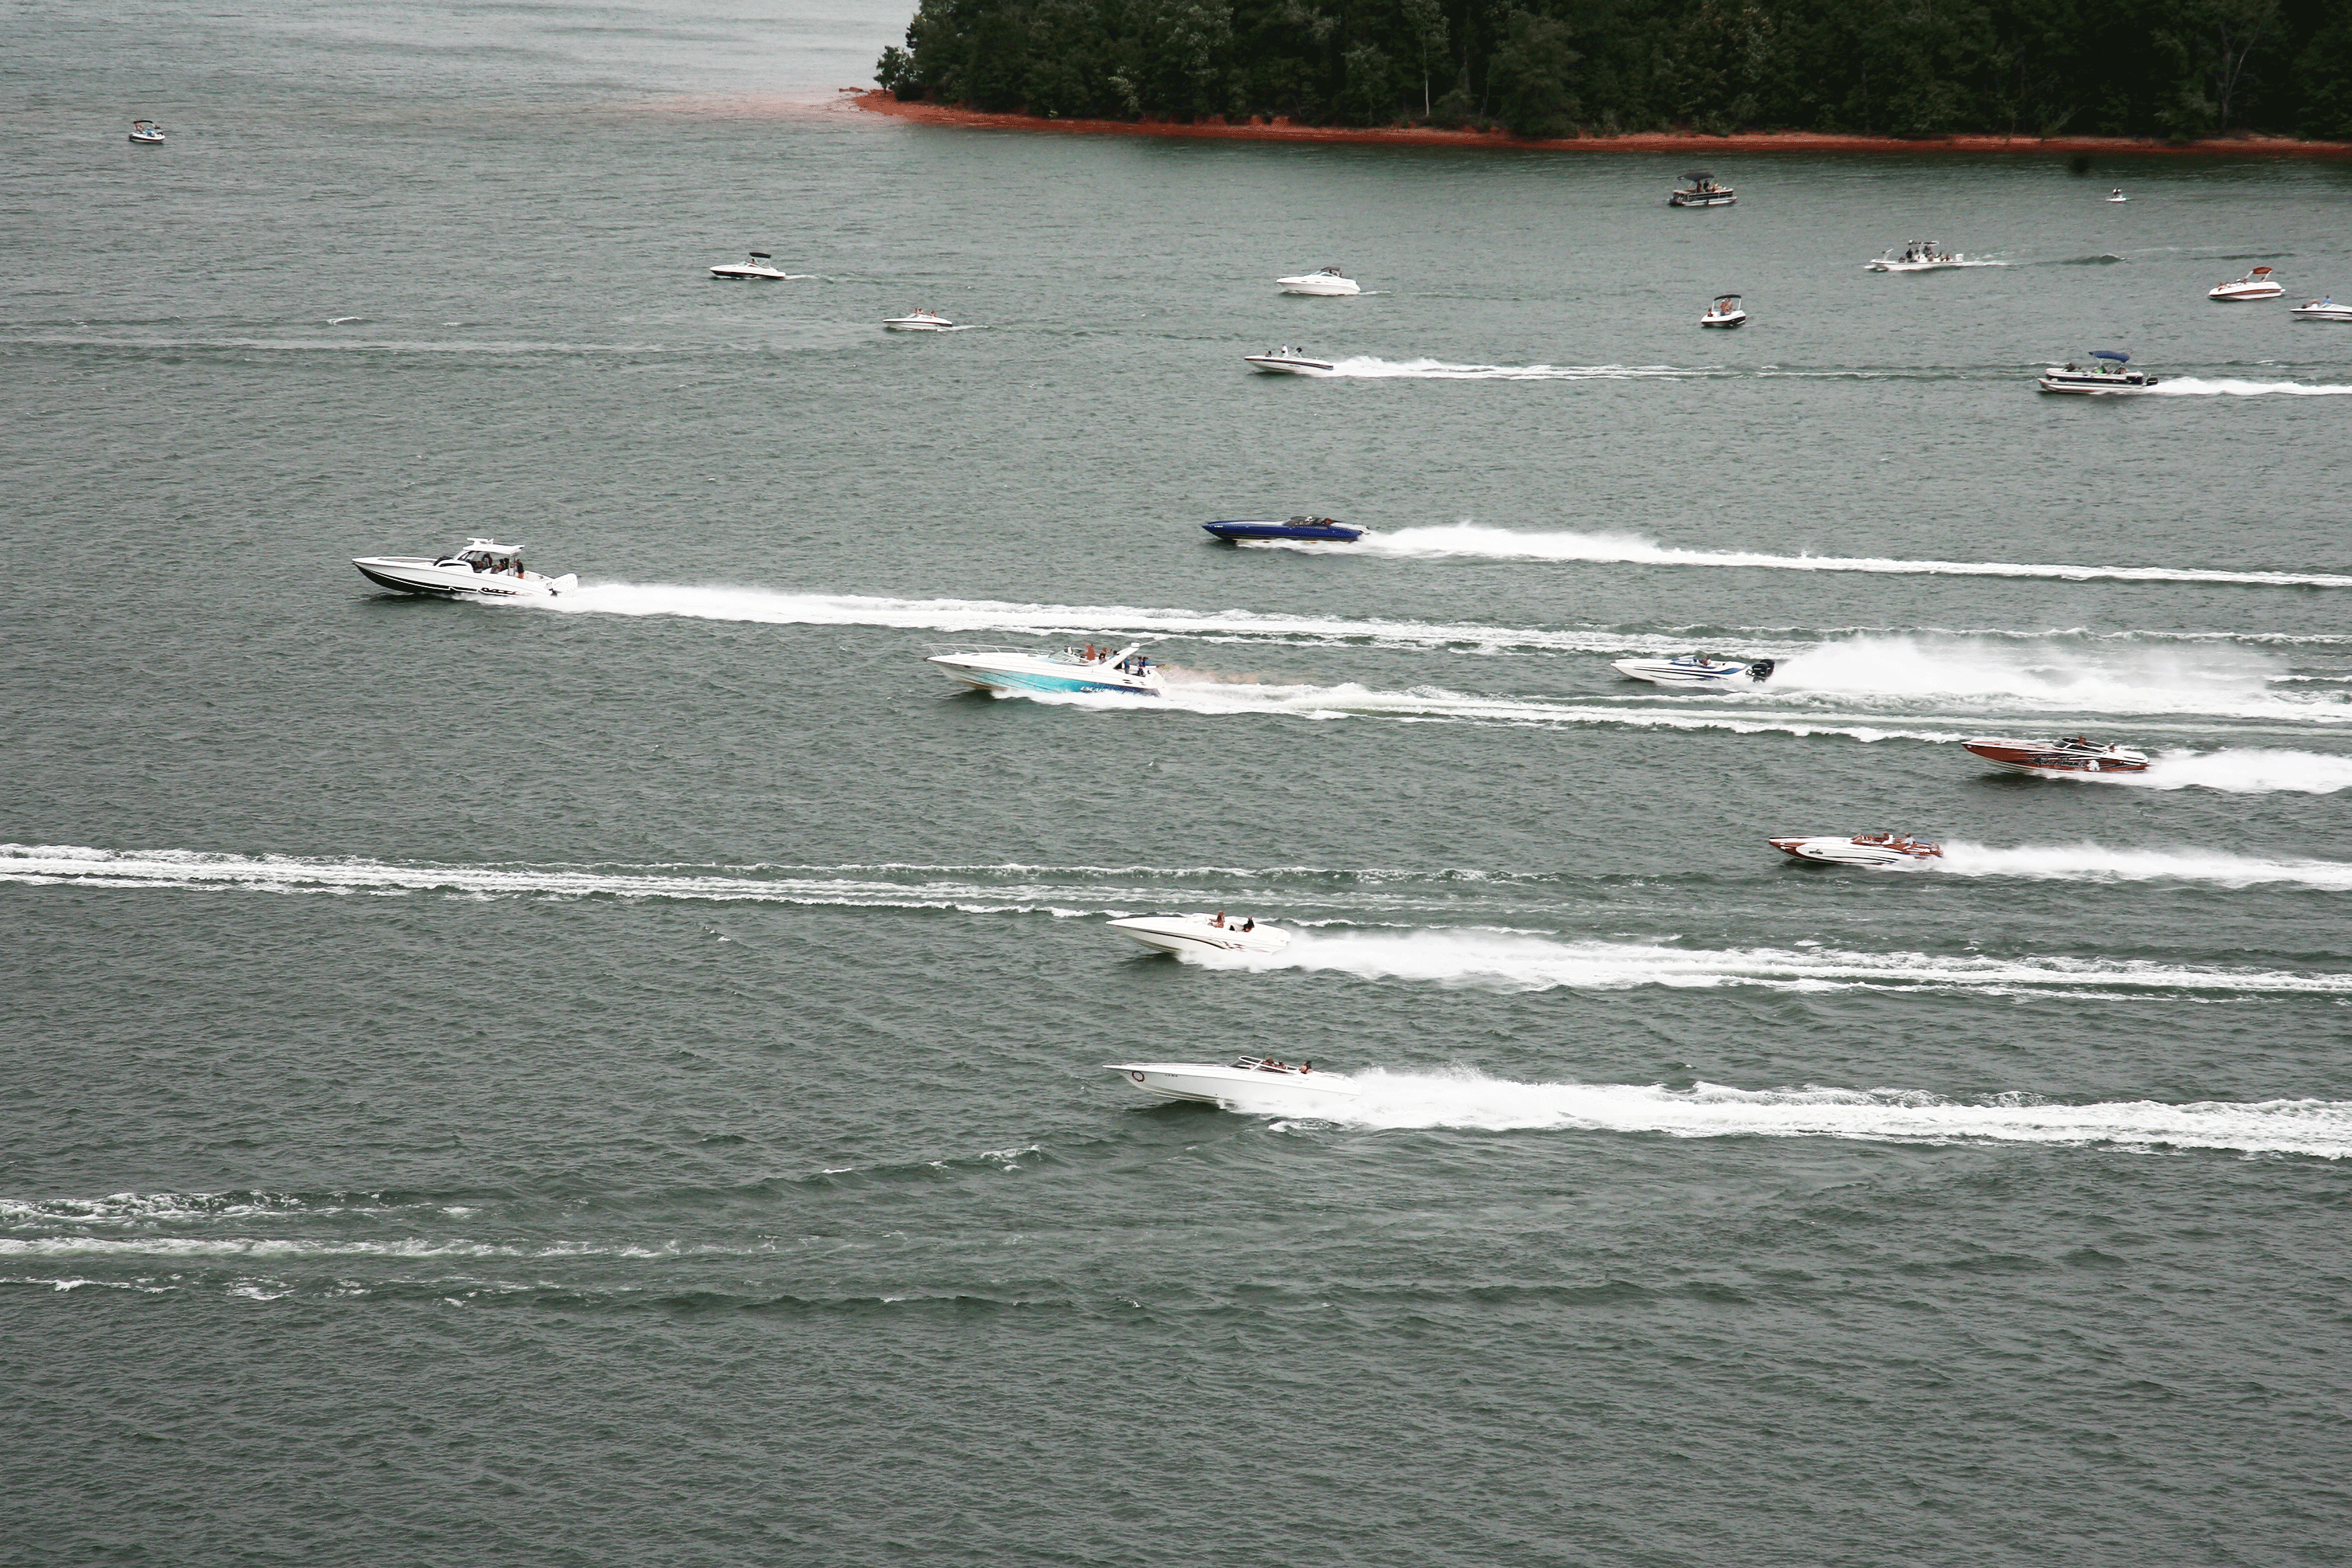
(2250, 771)
(2095, 863)
(2011, 676)
(2194, 386)
(1371, 368)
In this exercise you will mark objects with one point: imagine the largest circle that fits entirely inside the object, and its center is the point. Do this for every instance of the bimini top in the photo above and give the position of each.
(762, 256)
(493, 545)
(2115, 354)
(1698, 174)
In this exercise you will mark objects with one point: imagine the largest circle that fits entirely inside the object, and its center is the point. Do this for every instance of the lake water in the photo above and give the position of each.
(619, 1082)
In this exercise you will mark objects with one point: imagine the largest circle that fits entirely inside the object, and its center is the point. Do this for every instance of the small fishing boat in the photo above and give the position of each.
(2057, 759)
(1060, 670)
(1700, 190)
(1201, 933)
(482, 568)
(1724, 312)
(762, 266)
(1254, 1084)
(147, 134)
(2256, 285)
(919, 322)
(2118, 194)
(1288, 360)
(2326, 309)
(1299, 527)
(1696, 670)
(1919, 256)
(1329, 280)
(2108, 374)
(1862, 849)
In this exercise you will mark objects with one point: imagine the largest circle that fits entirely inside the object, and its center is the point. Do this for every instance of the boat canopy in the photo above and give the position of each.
(1698, 174)
(2115, 354)
(762, 256)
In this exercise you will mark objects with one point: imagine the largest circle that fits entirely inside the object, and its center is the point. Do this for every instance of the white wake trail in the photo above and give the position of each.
(2250, 771)
(1367, 367)
(2097, 863)
(2193, 386)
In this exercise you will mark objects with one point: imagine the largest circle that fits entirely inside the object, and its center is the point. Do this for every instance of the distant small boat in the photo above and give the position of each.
(919, 322)
(1250, 1084)
(2107, 376)
(2256, 285)
(1329, 281)
(1724, 312)
(1919, 256)
(2118, 194)
(1696, 670)
(147, 134)
(1299, 527)
(1022, 669)
(762, 265)
(1862, 849)
(1202, 933)
(2326, 309)
(1287, 360)
(1702, 192)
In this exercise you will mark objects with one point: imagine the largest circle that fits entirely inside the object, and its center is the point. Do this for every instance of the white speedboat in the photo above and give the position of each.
(1919, 256)
(1328, 280)
(1696, 670)
(1202, 933)
(482, 569)
(2108, 373)
(1724, 312)
(1702, 192)
(2326, 309)
(2256, 285)
(761, 267)
(2058, 759)
(1288, 360)
(919, 320)
(1255, 1084)
(147, 134)
(1089, 669)
(1862, 849)
(2118, 194)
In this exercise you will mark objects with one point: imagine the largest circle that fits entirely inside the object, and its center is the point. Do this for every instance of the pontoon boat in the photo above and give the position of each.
(2107, 375)
(1702, 192)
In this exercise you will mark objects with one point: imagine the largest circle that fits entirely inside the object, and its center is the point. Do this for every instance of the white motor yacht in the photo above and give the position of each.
(1253, 1084)
(1702, 192)
(2118, 194)
(1202, 933)
(1328, 280)
(1862, 849)
(2256, 285)
(761, 267)
(1288, 360)
(1020, 670)
(147, 134)
(919, 320)
(483, 569)
(2326, 309)
(1724, 312)
(1919, 256)
(1696, 670)
(2106, 374)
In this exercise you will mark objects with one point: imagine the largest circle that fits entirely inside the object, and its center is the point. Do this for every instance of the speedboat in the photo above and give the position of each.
(1694, 669)
(1919, 256)
(482, 569)
(762, 265)
(1255, 1084)
(2256, 285)
(1702, 192)
(1090, 668)
(2118, 194)
(2107, 376)
(2326, 309)
(1329, 280)
(147, 134)
(1862, 849)
(1300, 527)
(1202, 933)
(1724, 312)
(919, 322)
(1287, 360)
(2056, 758)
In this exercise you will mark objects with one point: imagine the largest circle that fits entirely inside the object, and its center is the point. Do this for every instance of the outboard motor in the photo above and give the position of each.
(1761, 670)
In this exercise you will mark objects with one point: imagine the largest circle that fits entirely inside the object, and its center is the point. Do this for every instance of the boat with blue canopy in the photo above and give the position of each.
(2109, 372)
(1239, 530)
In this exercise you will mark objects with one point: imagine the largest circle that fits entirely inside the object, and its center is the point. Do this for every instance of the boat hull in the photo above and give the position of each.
(1236, 532)
(1193, 933)
(2045, 759)
(1736, 320)
(2324, 312)
(2266, 291)
(1275, 364)
(908, 325)
(2081, 386)
(1674, 672)
(404, 575)
(1024, 674)
(1325, 288)
(1703, 199)
(1238, 1088)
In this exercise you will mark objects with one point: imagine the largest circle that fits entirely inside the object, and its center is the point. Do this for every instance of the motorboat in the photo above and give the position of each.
(1250, 1084)
(1918, 256)
(2256, 285)
(1288, 360)
(2057, 759)
(482, 568)
(1696, 670)
(1724, 312)
(2118, 194)
(1328, 280)
(1088, 668)
(2107, 374)
(1299, 527)
(919, 320)
(1862, 849)
(2326, 309)
(1202, 933)
(1701, 191)
(762, 265)
(147, 134)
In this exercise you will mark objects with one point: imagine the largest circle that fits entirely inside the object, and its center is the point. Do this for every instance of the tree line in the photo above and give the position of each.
(2176, 70)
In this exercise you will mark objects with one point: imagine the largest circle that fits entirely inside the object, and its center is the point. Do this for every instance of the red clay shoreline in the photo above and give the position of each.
(880, 101)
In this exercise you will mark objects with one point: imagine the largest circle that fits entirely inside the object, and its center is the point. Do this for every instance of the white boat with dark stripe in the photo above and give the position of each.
(481, 569)
(1254, 1084)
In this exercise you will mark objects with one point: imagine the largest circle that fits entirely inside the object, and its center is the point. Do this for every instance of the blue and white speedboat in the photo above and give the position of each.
(1695, 669)
(1089, 669)
(1300, 527)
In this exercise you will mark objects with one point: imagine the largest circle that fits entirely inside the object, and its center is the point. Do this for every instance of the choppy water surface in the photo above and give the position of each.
(618, 1081)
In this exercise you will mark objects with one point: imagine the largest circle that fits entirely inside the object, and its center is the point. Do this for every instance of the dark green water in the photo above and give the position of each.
(620, 1082)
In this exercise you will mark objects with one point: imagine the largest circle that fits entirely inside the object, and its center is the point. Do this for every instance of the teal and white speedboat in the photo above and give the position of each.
(1028, 670)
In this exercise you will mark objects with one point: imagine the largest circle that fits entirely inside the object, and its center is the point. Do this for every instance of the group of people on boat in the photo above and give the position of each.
(1133, 664)
(1925, 250)
(1273, 1064)
(1218, 919)
(1902, 841)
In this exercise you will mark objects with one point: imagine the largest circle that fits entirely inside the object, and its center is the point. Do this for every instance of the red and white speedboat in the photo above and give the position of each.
(2256, 285)
(1862, 849)
(2056, 758)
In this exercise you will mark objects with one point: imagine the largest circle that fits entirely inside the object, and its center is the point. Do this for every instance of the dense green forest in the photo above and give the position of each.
(2172, 68)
